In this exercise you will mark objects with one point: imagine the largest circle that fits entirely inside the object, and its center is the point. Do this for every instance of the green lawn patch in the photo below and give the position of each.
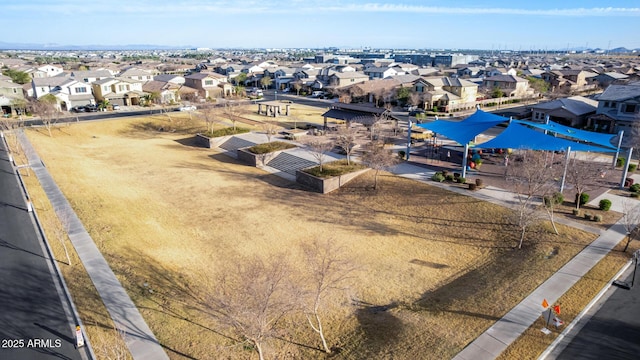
(334, 168)
(226, 131)
(270, 147)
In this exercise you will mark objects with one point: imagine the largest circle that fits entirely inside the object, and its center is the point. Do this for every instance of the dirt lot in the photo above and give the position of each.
(436, 268)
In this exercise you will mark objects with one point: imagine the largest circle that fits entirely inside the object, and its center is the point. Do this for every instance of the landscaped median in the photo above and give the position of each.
(261, 154)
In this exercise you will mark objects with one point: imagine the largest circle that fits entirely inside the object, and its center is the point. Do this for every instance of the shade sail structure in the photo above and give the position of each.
(517, 136)
(601, 139)
(466, 130)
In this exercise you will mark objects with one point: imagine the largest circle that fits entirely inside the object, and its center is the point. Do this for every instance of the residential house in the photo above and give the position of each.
(569, 81)
(572, 111)
(136, 74)
(118, 91)
(380, 72)
(608, 78)
(446, 94)
(209, 85)
(44, 85)
(175, 79)
(73, 93)
(338, 80)
(90, 76)
(618, 109)
(281, 76)
(167, 91)
(510, 85)
(51, 70)
(470, 71)
(9, 92)
(378, 90)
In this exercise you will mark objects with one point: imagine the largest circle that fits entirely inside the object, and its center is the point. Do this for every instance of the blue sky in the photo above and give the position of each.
(463, 24)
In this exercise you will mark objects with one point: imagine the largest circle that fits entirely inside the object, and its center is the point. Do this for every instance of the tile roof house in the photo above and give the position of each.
(446, 93)
(9, 92)
(120, 91)
(167, 91)
(608, 78)
(338, 80)
(570, 81)
(209, 85)
(89, 76)
(618, 109)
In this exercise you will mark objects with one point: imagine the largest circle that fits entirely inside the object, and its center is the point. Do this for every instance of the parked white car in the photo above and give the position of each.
(187, 108)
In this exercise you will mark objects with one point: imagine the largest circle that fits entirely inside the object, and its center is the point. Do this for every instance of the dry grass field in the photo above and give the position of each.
(435, 268)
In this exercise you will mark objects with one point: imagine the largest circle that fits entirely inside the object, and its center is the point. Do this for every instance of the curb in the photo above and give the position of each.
(582, 315)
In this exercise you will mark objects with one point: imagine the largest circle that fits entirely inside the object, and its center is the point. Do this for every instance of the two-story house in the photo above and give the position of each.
(9, 92)
(338, 80)
(167, 91)
(51, 70)
(446, 94)
(569, 81)
(89, 76)
(380, 72)
(618, 109)
(118, 91)
(136, 74)
(209, 85)
(510, 85)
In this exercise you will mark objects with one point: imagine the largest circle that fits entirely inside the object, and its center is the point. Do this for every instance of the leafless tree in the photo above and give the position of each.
(270, 129)
(210, 116)
(297, 86)
(319, 149)
(415, 99)
(376, 120)
(346, 140)
(378, 158)
(582, 174)
(61, 230)
(46, 109)
(630, 220)
(233, 111)
(328, 268)
(531, 179)
(250, 299)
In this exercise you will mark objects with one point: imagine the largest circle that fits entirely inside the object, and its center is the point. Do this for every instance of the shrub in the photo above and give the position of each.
(583, 198)
(270, 147)
(555, 199)
(605, 204)
(227, 131)
(402, 154)
(588, 216)
(635, 195)
(437, 177)
(620, 162)
(597, 218)
(462, 180)
(576, 212)
(449, 177)
(472, 186)
(632, 167)
(635, 188)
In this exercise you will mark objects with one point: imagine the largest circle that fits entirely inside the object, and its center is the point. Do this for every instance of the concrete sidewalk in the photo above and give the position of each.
(140, 340)
(498, 337)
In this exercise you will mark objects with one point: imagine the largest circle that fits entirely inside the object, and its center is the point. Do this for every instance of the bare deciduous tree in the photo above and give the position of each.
(251, 298)
(233, 112)
(531, 179)
(270, 129)
(346, 140)
(46, 109)
(378, 158)
(210, 116)
(328, 269)
(630, 220)
(319, 150)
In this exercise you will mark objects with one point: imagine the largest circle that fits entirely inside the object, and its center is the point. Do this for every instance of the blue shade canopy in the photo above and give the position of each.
(583, 135)
(517, 136)
(466, 130)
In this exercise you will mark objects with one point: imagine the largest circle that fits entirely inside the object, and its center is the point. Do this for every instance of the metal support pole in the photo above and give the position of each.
(625, 168)
(464, 160)
(615, 158)
(566, 165)
(409, 139)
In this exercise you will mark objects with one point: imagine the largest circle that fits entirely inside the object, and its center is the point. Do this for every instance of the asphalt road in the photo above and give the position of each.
(33, 322)
(613, 332)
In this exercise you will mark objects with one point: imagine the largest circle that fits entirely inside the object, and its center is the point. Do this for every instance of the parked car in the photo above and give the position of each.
(187, 108)
(316, 94)
(91, 108)
(78, 109)
(115, 107)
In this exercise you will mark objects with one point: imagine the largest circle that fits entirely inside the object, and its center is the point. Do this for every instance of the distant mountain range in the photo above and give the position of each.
(44, 47)
(133, 47)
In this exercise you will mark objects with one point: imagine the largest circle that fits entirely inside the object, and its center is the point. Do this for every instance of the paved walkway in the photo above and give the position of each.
(498, 337)
(140, 340)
